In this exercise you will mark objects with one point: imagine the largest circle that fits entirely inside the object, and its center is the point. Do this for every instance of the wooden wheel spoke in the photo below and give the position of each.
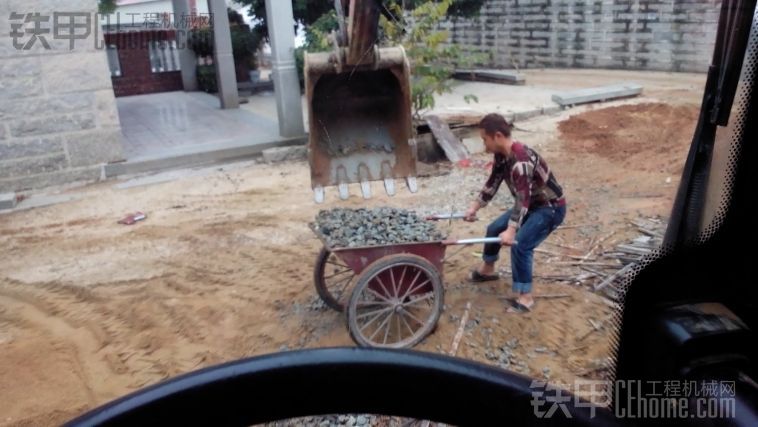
(338, 264)
(344, 287)
(379, 328)
(382, 285)
(381, 310)
(418, 300)
(338, 274)
(376, 294)
(392, 279)
(373, 319)
(410, 291)
(411, 285)
(400, 282)
(389, 326)
(406, 324)
(408, 312)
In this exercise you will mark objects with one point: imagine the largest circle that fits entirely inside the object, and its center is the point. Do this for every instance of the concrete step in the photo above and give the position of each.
(193, 155)
(7, 201)
(255, 87)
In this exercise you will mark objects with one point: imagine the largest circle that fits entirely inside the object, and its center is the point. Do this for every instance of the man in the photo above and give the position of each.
(539, 207)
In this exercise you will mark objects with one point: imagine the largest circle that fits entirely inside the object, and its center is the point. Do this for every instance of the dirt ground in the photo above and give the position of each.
(222, 267)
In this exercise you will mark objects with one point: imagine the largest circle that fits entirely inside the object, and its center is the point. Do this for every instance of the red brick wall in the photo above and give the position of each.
(134, 55)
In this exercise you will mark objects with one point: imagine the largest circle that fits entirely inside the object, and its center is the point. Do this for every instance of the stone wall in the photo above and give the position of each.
(668, 35)
(58, 117)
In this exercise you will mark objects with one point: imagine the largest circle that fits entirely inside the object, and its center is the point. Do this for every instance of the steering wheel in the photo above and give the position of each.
(344, 380)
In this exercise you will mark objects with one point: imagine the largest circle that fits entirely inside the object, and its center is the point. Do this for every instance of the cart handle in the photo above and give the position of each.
(440, 217)
(474, 241)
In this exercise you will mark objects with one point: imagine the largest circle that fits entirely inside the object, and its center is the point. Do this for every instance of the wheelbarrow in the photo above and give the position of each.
(393, 294)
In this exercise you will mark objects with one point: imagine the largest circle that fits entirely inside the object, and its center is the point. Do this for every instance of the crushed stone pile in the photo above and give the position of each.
(369, 227)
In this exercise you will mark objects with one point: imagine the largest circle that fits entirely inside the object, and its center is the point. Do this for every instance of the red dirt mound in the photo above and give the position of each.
(641, 136)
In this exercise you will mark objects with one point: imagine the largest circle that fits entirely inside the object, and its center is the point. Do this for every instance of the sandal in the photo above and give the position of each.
(519, 307)
(476, 277)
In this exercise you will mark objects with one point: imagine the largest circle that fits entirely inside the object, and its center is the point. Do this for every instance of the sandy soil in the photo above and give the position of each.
(222, 267)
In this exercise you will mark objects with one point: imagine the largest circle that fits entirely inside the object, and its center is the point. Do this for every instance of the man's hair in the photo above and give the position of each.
(494, 122)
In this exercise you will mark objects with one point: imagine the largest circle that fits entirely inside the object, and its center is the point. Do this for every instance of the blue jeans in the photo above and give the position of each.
(537, 225)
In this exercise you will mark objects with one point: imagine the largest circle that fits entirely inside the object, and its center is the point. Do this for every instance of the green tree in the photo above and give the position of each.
(244, 46)
(106, 7)
(316, 40)
(307, 12)
(244, 42)
(432, 59)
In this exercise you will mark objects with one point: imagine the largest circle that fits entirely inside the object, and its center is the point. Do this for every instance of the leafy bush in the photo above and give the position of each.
(244, 45)
(200, 40)
(244, 42)
(206, 78)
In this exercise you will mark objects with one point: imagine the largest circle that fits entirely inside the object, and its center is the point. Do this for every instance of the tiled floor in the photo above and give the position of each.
(157, 123)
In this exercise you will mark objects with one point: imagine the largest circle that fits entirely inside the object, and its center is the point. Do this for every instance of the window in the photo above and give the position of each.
(113, 63)
(164, 56)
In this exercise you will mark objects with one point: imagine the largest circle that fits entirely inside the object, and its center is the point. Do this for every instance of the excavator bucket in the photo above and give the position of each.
(359, 111)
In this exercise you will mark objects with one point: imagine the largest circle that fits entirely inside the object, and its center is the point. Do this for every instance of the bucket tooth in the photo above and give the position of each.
(389, 185)
(366, 189)
(318, 194)
(388, 177)
(342, 182)
(364, 177)
(412, 186)
(344, 191)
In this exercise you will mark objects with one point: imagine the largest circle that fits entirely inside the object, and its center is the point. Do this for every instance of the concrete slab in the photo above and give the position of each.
(194, 155)
(7, 201)
(594, 94)
(492, 98)
(528, 114)
(492, 76)
(450, 143)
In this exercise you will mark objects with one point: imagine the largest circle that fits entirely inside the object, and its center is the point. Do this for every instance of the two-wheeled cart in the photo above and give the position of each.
(392, 294)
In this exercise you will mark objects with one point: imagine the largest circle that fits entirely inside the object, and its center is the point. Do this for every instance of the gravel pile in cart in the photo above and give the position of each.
(369, 227)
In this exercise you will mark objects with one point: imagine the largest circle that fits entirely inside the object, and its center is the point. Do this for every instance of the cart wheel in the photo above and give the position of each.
(396, 302)
(332, 279)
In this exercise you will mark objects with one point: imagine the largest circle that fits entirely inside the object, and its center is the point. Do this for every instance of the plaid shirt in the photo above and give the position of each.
(528, 177)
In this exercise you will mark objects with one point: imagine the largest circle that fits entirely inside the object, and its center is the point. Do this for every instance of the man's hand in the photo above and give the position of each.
(471, 212)
(508, 237)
